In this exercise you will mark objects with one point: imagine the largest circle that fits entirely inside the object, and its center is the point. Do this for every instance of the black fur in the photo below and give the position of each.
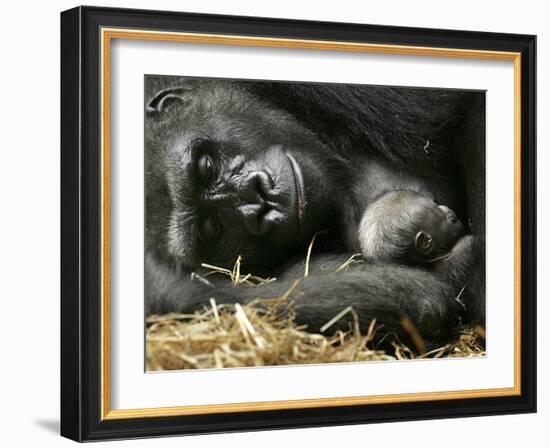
(353, 143)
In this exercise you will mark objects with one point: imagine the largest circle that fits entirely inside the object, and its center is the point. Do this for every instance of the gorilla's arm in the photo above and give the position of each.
(384, 292)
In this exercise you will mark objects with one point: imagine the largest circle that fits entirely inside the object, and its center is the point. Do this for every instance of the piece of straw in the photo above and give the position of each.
(336, 318)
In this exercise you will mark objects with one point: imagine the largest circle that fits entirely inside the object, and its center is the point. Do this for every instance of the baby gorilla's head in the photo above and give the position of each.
(408, 227)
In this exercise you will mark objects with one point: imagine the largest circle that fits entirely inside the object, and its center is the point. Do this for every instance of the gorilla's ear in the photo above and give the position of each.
(423, 243)
(166, 98)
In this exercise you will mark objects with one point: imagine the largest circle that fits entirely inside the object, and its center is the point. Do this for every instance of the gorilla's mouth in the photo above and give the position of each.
(298, 186)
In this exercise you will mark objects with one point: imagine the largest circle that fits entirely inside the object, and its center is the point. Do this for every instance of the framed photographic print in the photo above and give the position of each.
(273, 224)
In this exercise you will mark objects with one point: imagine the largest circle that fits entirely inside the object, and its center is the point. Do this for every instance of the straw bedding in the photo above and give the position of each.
(264, 333)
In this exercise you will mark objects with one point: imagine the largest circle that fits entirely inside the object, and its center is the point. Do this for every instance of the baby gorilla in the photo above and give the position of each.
(410, 228)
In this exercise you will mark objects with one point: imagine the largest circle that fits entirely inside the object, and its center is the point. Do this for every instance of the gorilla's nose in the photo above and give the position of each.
(252, 192)
(247, 200)
(451, 217)
(255, 207)
(255, 186)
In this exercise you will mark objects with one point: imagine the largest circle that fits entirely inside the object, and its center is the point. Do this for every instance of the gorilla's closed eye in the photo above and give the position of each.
(210, 229)
(206, 168)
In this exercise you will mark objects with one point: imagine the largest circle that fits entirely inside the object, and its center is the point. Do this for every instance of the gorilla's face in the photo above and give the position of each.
(241, 178)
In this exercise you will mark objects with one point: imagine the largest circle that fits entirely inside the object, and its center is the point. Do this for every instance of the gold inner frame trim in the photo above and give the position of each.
(107, 35)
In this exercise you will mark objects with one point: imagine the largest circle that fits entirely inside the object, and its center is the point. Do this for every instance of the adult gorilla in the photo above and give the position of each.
(257, 168)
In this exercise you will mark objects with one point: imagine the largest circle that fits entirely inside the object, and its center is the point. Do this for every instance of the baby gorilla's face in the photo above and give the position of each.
(440, 231)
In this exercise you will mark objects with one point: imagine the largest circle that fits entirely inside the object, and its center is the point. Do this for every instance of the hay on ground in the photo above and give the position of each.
(264, 333)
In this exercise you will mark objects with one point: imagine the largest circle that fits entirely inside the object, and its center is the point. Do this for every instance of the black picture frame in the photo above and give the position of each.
(81, 224)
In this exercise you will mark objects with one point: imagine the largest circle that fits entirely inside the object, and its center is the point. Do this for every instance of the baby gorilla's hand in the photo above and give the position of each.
(456, 266)
(463, 247)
